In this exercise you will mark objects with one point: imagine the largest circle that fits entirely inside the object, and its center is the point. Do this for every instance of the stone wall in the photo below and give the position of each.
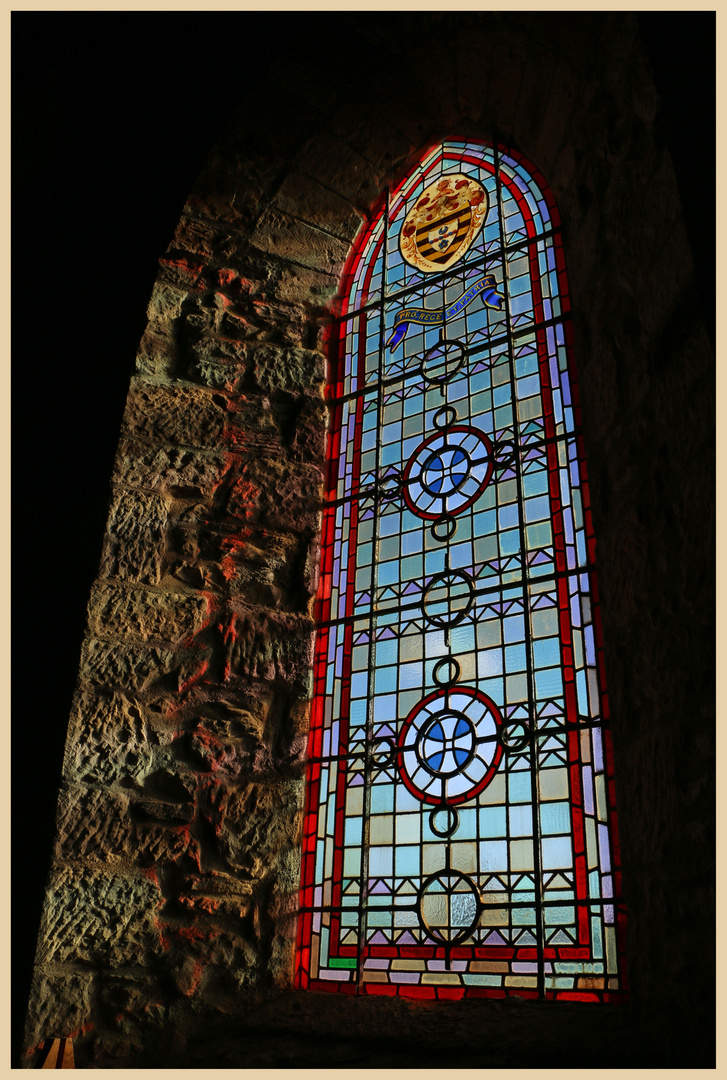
(168, 928)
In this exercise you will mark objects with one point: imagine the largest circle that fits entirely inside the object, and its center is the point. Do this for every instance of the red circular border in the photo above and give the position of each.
(443, 433)
(466, 795)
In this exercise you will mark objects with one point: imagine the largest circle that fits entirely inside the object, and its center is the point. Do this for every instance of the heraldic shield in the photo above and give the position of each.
(446, 218)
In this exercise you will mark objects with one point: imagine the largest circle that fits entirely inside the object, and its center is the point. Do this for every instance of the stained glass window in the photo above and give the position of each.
(460, 833)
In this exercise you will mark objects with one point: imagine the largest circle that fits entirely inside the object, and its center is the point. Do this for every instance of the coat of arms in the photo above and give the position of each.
(443, 222)
(436, 233)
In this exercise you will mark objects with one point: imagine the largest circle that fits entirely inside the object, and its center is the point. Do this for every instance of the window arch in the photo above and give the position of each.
(460, 832)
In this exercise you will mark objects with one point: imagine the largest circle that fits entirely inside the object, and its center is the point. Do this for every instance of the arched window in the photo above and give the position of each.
(460, 835)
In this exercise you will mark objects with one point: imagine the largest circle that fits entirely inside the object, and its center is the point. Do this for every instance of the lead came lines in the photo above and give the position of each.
(449, 746)
(439, 719)
(370, 690)
(537, 873)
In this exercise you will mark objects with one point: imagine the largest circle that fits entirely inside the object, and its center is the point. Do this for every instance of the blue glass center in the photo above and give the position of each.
(447, 744)
(445, 471)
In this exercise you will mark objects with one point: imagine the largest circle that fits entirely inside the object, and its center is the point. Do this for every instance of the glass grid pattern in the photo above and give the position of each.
(460, 831)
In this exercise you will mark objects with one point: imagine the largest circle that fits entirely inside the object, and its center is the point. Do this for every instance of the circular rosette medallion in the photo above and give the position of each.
(448, 750)
(448, 472)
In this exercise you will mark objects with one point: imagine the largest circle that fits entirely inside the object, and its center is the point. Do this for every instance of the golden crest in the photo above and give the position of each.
(443, 222)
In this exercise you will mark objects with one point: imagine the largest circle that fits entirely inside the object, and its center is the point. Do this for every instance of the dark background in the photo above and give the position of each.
(113, 117)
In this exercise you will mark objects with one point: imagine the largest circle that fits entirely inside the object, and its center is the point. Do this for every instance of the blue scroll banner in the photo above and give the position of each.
(487, 286)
